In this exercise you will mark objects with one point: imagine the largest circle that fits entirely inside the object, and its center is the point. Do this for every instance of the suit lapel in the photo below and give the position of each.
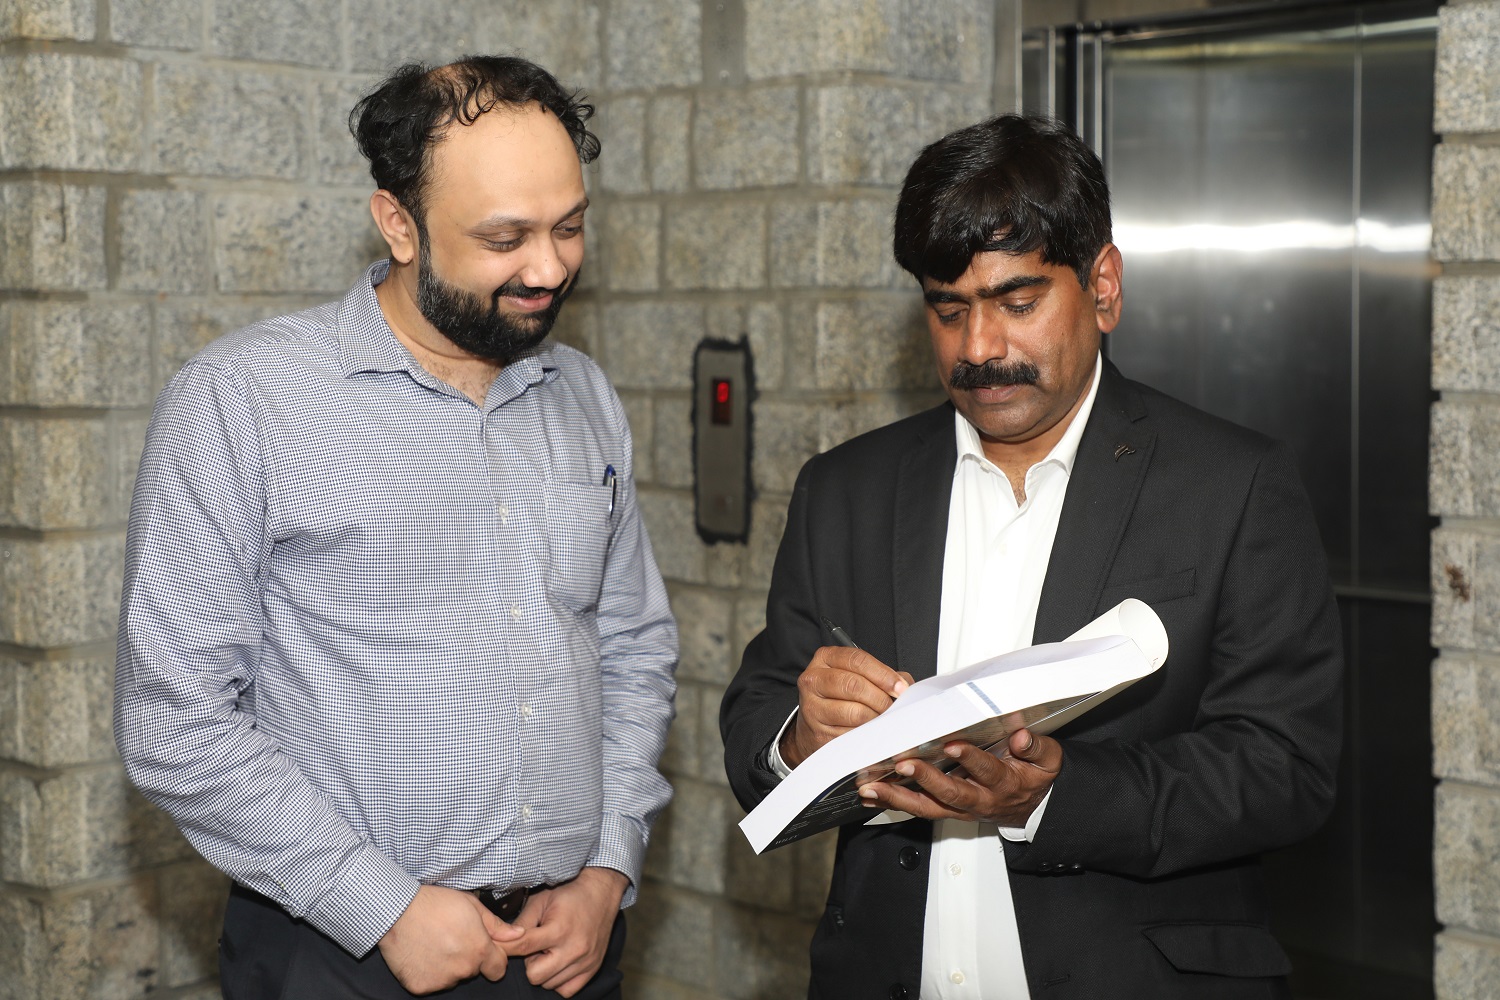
(1113, 456)
(924, 484)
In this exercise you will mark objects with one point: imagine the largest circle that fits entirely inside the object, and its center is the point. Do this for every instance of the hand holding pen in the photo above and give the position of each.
(842, 687)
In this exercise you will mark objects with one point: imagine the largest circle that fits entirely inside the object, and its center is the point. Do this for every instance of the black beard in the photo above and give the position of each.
(992, 373)
(480, 327)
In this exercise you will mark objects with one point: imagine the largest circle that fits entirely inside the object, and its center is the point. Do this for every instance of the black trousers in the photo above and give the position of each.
(264, 954)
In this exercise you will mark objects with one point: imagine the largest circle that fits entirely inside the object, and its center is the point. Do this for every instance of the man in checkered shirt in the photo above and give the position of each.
(394, 651)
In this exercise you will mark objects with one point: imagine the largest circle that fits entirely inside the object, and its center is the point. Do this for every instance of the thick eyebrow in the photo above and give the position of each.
(934, 296)
(516, 222)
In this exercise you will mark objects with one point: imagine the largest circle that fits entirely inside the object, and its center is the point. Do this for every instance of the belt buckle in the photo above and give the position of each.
(505, 905)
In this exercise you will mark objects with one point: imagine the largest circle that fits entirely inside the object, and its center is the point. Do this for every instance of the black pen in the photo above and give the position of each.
(839, 635)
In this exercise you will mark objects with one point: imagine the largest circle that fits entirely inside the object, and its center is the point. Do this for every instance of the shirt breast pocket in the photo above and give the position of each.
(579, 527)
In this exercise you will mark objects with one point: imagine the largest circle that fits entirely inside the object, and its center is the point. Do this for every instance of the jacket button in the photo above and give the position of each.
(1045, 866)
(906, 859)
(898, 992)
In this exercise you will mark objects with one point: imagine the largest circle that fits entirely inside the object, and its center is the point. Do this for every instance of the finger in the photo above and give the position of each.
(889, 795)
(494, 963)
(858, 661)
(536, 941)
(855, 696)
(980, 765)
(544, 966)
(572, 986)
(498, 930)
(1042, 751)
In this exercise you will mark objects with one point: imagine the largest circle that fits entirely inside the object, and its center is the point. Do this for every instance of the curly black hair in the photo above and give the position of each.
(398, 124)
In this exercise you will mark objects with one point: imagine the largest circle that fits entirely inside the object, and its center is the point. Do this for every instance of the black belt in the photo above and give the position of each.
(505, 905)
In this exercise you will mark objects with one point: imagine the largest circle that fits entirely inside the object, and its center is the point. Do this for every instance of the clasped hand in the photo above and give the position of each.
(446, 936)
(843, 688)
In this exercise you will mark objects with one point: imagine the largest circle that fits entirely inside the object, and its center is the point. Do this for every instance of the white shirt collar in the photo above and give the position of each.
(1063, 453)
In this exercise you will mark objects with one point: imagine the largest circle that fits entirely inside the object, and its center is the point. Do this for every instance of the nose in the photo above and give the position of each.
(985, 336)
(545, 268)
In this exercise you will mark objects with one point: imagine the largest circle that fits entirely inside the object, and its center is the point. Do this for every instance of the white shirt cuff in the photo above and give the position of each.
(777, 763)
(1027, 833)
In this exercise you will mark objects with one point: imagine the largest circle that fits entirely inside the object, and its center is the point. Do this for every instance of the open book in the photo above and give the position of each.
(1039, 688)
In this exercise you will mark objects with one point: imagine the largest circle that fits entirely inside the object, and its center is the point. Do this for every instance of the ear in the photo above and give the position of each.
(1106, 284)
(397, 227)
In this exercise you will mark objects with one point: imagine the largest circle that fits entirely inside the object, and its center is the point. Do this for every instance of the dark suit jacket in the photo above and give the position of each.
(1142, 880)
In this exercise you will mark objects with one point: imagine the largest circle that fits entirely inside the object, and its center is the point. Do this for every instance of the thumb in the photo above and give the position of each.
(497, 929)
(1023, 745)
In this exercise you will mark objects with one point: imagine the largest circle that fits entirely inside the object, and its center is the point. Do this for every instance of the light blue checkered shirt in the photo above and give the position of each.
(374, 635)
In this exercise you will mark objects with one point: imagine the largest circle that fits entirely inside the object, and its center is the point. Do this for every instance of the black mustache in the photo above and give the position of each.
(517, 290)
(992, 373)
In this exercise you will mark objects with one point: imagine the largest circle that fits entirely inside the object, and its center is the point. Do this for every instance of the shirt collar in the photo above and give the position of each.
(367, 343)
(1063, 454)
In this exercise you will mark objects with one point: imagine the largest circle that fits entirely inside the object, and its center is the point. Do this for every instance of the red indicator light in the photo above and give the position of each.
(719, 391)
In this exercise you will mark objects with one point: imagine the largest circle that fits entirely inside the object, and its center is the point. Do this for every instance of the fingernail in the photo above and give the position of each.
(906, 769)
(897, 688)
(866, 792)
(953, 750)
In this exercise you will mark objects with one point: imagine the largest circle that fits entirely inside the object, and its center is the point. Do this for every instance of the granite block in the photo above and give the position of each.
(163, 242)
(711, 744)
(192, 913)
(786, 436)
(1466, 718)
(639, 407)
(51, 237)
(653, 43)
(718, 245)
(305, 32)
(55, 473)
(47, 19)
(1466, 333)
(60, 591)
(667, 142)
(221, 122)
(703, 628)
(384, 34)
(673, 437)
(746, 138)
(562, 35)
(673, 929)
(1466, 202)
(79, 354)
(336, 156)
(756, 957)
(632, 245)
(862, 134)
(873, 342)
(1466, 95)
(621, 127)
(1466, 856)
(649, 345)
(56, 713)
(157, 24)
(1466, 966)
(69, 112)
(680, 553)
(286, 243)
(795, 37)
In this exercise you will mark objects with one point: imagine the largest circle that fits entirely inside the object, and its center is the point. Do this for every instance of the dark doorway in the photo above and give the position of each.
(1271, 181)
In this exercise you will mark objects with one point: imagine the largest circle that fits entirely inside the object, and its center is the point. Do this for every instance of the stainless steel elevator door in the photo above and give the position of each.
(1271, 181)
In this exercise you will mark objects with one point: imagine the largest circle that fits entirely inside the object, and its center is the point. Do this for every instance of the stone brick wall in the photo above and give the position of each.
(1465, 494)
(173, 169)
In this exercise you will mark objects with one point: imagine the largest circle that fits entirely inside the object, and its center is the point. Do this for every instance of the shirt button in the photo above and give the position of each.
(955, 870)
(525, 812)
(957, 979)
(515, 611)
(526, 711)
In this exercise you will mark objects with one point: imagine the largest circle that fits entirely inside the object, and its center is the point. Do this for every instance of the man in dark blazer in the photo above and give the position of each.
(1130, 841)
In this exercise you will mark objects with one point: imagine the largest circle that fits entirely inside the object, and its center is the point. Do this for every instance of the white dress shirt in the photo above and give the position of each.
(993, 566)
